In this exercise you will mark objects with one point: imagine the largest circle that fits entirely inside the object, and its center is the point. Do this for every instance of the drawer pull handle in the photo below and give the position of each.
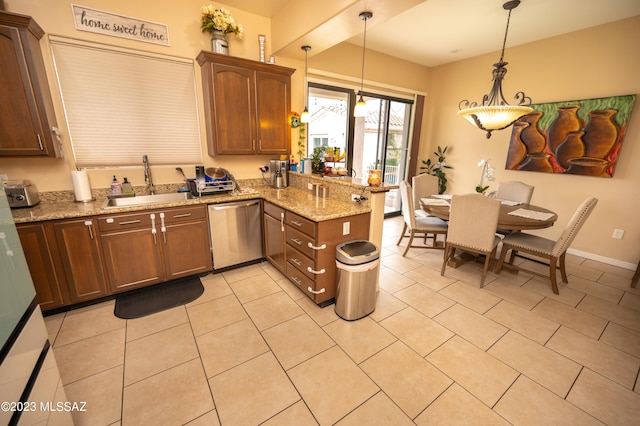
(176, 216)
(296, 261)
(296, 223)
(282, 221)
(315, 292)
(153, 228)
(128, 222)
(297, 241)
(321, 271)
(322, 247)
(296, 280)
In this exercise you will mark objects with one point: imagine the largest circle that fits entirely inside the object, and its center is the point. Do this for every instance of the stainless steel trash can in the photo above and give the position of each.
(358, 264)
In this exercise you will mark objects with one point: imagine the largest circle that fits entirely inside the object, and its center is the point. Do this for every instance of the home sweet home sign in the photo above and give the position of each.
(111, 24)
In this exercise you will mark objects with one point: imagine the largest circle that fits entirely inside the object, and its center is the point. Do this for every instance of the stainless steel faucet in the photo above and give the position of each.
(147, 175)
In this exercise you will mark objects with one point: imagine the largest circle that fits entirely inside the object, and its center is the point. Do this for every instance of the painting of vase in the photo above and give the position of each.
(571, 137)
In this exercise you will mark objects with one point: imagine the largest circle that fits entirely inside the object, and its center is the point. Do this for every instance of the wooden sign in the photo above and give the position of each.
(111, 24)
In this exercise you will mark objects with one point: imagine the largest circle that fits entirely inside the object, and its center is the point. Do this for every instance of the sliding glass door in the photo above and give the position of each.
(380, 140)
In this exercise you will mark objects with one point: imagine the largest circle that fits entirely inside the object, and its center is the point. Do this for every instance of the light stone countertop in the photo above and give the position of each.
(293, 199)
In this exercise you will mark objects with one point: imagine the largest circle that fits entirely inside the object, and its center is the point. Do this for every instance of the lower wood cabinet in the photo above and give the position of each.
(274, 235)
(154, 246)
(39, 245)
(79, 250)
(309, 248)
(77, 260)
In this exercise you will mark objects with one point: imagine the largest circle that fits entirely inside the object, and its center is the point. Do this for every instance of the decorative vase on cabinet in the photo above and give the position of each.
(219, 43)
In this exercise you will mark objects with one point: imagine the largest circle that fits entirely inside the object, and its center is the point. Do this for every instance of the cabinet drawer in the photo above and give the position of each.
(300, 223)
(301, 262)
(301, 241)
(183, 214)
(125, 221)
(273, 210)
(305, 284)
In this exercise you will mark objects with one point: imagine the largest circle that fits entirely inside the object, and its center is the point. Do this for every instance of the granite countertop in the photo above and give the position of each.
(299, 201)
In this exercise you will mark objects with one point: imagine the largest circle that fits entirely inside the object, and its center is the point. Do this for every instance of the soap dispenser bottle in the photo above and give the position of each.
(127, 189)
(116, 187)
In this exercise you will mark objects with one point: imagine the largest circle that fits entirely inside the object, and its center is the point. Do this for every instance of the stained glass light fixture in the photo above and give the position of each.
(494, 113)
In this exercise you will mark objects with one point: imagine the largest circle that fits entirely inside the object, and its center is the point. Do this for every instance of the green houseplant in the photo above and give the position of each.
(437, 167)
(317, 157)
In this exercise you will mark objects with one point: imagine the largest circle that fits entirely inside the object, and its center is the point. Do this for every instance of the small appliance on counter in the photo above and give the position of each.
(278, 173)
(212, 180)
(21, 193)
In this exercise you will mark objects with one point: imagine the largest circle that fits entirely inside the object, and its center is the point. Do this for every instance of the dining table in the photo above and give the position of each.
(513, 216)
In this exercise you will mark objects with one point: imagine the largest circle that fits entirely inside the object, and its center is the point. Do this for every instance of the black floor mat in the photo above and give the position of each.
(157, 298)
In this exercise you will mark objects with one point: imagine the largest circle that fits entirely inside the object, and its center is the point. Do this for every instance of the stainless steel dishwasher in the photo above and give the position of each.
(236, 233)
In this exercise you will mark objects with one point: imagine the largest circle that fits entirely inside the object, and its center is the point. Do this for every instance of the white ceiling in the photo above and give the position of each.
(437, 32)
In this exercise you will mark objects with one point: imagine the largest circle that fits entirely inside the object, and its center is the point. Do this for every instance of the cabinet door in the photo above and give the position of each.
(232, 119)
(274, 243)
(81, 258)
(40, 251)
(273, 106)
(26, 123)
(185, 248)
(132, 258)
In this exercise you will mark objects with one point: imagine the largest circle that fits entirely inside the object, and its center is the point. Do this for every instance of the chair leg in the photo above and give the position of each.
(503, 254)
(402, 235)
(552, 273)
(445, 258)
(487, 261)
(409, 243)
(563, 270)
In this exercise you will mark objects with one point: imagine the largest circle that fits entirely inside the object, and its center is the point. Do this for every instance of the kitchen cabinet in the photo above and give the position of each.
(274, 235)
(305, 250)
(27, 123)
(39, 246)
(247, 105)
(154, 246)
(79, 248)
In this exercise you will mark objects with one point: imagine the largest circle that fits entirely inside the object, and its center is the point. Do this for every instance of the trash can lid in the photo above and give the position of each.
(357, 252)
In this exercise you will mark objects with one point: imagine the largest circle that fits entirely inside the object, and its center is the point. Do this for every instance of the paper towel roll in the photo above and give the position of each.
(81, 186)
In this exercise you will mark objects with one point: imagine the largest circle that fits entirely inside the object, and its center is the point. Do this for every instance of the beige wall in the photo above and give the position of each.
(602, 61)
(598, 62)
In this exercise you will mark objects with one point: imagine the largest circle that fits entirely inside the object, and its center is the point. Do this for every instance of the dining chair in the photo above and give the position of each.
(424, 186)
(473, 220)
(514, 191)
(425, 226)
(553, 251)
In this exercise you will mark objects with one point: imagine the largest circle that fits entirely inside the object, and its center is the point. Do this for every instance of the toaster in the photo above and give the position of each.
(21, 193)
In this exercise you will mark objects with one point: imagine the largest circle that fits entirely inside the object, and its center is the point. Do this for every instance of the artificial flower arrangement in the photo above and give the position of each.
(219, 18)
(487, 173)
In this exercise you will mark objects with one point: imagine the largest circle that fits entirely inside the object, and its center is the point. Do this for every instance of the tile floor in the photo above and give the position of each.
(437, 350)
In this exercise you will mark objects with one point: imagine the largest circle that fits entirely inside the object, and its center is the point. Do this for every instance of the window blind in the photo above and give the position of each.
(121, 104)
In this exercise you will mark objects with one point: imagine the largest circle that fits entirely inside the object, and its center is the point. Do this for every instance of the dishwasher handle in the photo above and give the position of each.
(227, 206)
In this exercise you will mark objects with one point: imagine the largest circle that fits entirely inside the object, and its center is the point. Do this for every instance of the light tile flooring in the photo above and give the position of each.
(437, 350)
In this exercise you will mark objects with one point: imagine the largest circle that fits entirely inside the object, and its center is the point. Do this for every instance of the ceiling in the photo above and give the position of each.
(437, 32)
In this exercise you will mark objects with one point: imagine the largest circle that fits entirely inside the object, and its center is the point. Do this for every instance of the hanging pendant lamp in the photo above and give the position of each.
(495, 113)
(304, 117)
(361, 106)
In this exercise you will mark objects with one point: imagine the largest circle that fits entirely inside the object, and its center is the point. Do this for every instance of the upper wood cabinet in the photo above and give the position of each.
(247, 105)
(27, 119)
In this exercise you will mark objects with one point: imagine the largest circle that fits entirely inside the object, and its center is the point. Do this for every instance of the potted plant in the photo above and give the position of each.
(316, 159)
(437, 168)
(218, 22)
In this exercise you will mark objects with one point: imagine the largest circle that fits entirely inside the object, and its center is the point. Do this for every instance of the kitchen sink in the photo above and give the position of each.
(145, 200)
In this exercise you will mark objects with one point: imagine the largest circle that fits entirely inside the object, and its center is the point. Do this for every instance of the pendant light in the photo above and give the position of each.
(361, 106)
(495, 113)
(304, 117)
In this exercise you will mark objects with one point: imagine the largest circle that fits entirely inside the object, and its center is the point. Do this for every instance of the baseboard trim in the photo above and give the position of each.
(607, 260)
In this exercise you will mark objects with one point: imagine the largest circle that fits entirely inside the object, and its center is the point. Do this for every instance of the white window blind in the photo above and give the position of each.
(121, 104)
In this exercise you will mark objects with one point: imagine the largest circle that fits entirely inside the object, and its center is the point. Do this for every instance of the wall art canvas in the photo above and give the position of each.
(571, 137)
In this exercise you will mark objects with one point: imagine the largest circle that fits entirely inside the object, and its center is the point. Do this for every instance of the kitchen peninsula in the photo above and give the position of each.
(71, 251)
